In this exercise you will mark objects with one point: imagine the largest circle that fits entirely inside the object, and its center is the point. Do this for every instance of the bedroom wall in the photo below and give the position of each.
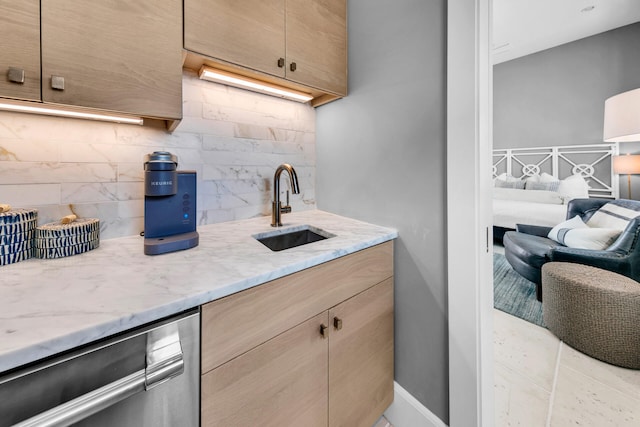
(556, 97)
(381, 156)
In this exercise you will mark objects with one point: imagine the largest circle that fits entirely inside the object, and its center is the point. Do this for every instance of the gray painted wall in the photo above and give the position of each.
(381, 155)
(556, 97)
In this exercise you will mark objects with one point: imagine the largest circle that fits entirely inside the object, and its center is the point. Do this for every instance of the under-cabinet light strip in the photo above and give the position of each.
(242, 82)
(48, 111)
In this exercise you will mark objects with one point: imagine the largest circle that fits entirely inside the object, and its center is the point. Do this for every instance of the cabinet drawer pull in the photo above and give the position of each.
(323, 330)
(293, 66)
(16, 75)
(337, 323)
(280, 62)
(57, 82)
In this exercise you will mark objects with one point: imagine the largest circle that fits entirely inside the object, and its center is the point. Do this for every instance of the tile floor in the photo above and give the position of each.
(540, 381)
(382, 422)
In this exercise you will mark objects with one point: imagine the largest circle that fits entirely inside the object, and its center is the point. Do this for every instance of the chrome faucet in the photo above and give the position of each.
(276, 208)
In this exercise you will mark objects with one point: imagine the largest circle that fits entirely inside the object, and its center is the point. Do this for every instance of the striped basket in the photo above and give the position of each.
(56, 240)
(17, 233)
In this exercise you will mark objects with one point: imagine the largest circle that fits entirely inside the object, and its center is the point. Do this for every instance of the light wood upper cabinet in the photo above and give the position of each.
(300, 41)
(115, 55)
(250, 33)
(20, 49)
(317, 43)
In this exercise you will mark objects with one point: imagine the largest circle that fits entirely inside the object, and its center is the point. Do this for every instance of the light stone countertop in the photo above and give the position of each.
(50, 306)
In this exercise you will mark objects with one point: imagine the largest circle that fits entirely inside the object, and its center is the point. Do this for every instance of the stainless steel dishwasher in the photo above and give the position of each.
(148, 377)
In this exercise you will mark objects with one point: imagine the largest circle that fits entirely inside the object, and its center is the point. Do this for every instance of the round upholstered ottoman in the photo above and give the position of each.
(594, 311)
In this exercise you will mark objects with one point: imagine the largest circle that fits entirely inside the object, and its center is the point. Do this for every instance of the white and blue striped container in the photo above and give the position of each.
(57, 240)
(17, 234)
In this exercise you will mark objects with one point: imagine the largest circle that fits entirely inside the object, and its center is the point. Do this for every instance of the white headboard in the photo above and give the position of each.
(593, 162)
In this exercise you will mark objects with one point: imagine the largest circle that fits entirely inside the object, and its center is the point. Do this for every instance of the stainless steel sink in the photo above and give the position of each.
(287, 238)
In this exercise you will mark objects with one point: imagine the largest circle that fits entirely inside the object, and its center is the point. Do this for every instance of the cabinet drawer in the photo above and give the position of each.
(239, 322)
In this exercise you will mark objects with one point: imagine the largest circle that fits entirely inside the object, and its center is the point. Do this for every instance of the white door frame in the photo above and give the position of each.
(470, 248)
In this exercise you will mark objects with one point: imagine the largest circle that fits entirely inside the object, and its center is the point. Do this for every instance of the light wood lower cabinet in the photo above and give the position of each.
(313, 349)
(279, 383)
(361, 357)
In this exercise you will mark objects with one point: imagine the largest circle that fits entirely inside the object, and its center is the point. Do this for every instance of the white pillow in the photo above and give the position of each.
(590, 238)
(574, 233)
(534, 196)
(504, 177)
(533, 178)
(559, 230)
(517, 184)
(545, 186)
(574, 187)
(612, 215)
(545, 177)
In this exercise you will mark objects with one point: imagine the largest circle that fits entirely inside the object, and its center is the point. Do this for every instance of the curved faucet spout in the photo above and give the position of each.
(276, 208)
(293, 177)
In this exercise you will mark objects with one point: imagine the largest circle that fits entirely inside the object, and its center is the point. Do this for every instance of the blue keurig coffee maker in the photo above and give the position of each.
(169, 205)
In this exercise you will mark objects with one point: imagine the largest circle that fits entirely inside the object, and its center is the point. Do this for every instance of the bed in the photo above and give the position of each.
(534, 185)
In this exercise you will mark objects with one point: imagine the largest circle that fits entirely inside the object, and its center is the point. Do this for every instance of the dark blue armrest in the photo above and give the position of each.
(535, 230)
(606, 259)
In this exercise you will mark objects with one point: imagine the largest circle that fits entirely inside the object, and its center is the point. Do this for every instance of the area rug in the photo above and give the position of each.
(513, 293)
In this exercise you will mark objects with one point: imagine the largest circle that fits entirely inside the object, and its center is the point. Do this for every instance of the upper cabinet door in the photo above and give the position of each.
(317, 44)
(20, 49)
(249, 33)
(116, 55)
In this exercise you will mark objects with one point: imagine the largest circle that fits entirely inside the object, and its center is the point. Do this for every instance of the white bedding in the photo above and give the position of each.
(536, 196)
(535, 207)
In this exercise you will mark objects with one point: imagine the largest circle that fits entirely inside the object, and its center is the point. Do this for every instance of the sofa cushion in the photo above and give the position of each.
(574, 233)
(573, 187)
(616, 214)
(590, 238)
(501, 183)
(557, 233)
(547, 186)
(506, 177)
(527, 253)
(532, 249)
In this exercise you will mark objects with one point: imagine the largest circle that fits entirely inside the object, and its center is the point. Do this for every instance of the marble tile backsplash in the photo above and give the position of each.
(234, 139)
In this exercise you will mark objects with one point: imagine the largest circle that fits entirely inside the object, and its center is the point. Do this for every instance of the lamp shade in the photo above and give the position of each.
(622, 117)
(626, 164)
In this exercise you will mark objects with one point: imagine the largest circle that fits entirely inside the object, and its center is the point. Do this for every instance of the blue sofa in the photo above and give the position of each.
(528, 248)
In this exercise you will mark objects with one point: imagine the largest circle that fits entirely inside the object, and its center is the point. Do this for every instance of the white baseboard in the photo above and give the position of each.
(406, 411)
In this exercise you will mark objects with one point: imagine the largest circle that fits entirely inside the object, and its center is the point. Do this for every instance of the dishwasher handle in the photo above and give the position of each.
(164, 361)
